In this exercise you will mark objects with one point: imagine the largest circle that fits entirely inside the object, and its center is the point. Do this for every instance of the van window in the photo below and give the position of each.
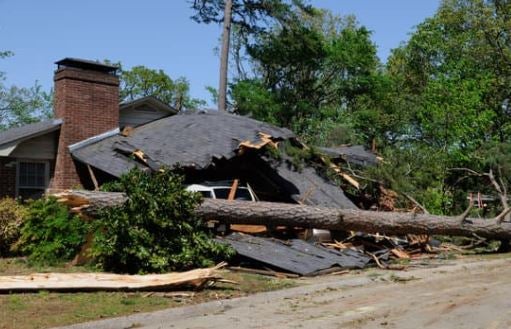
(241, 194)
(222, 193)
(206, 194)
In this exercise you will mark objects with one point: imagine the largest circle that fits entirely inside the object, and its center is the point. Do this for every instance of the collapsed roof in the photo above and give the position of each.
(198, 141)
(355, 154)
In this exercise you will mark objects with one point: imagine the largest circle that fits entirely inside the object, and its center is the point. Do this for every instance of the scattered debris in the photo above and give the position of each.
(263, 272)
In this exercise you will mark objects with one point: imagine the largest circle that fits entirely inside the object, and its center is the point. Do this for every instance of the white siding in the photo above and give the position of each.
(42, 147)
(140, 115)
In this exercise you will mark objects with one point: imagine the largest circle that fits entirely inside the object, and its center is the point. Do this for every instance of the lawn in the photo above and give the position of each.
(46, 309)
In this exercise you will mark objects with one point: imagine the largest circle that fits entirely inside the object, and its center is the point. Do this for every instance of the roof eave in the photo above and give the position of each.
(57, 123)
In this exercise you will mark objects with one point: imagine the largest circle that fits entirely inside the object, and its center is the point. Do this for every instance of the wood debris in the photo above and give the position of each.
(127, 131)
(265, 139)
(400, 253)
(68, 282)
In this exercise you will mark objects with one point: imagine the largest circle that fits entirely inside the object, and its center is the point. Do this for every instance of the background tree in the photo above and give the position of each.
(250, 17)
(141, 81)
(441, 101)
(451, 84)
(21, 105)
(310, 75)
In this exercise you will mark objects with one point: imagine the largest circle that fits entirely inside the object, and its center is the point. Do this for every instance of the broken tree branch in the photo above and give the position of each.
(464, 215)
(417, 203)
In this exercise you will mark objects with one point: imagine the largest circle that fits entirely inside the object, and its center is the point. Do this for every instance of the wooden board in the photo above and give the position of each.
(249, 229)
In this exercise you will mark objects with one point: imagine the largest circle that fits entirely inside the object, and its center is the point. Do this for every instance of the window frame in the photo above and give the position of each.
(46, 175)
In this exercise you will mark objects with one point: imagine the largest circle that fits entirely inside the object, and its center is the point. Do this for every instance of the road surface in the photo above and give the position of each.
(466, 294)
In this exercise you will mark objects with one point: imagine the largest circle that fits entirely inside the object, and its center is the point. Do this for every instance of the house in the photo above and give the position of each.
(93, 140)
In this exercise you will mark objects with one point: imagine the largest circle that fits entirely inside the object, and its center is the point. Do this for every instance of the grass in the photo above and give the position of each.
(46, 309)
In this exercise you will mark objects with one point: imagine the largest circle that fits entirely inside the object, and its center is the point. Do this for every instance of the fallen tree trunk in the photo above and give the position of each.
(281, 214)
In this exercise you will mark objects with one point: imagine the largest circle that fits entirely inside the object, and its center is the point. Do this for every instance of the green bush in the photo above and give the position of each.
(12, 214)
(156, 230)
(50, 234)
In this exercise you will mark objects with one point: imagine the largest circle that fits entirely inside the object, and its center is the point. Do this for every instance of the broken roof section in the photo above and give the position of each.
(294, 256)
(200, 140)
(355, 154)
(189, 140)
(307, 187)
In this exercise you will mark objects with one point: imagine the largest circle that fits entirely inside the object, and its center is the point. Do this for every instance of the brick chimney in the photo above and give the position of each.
(87, 99)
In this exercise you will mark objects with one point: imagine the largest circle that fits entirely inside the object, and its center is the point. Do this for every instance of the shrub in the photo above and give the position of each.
(50, 234)
(12, 214)
(156, 230)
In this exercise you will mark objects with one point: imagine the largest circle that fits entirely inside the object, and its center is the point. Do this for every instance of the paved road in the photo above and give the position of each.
(468, 295)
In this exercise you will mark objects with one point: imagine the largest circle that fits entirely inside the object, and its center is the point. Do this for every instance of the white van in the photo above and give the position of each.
(221, 189)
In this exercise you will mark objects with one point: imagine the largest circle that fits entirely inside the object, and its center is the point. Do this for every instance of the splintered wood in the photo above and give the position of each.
(399, 253)
(265, 139)
(109, 282)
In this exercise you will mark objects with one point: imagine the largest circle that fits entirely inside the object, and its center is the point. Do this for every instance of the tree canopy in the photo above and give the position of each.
(22, 105)
(250, 18)
(453, 77)
(141, 81)
(440, 103)
(310, 73)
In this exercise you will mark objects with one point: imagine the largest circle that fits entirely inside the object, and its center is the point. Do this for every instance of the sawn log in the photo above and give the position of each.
(282, 214)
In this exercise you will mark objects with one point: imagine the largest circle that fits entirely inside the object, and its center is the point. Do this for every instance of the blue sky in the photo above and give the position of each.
(157, 34)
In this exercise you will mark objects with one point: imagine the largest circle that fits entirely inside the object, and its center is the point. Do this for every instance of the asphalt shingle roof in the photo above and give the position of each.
(30, 130)
(190, 140)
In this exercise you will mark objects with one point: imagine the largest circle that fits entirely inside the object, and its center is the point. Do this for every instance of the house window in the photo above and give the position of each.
(32, 178)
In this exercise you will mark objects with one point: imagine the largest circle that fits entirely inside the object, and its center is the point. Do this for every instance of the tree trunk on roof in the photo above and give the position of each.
(283, 214)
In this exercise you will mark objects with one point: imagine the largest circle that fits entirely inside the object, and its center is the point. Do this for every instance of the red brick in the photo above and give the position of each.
(88, 103)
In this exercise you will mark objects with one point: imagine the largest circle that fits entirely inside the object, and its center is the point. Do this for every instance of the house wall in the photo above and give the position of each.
(42, 147)
(7, 177)
(136, 116)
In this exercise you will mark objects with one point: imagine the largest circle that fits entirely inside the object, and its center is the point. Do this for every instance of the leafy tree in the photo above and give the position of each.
(311, 73)
(21, 105)
(249, 17)
(450, 88)
(141, 81)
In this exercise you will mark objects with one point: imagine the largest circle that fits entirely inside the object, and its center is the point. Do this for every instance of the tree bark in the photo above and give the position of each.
(224, 57)
(282, 214)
